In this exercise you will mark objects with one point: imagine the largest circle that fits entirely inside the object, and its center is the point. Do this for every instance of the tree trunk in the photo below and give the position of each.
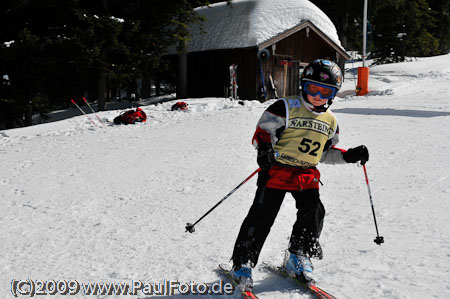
(182, 71)
(132, 90)
(146, 87)
(28, 115)
(102, 91)
(344, 31)
(158, 85)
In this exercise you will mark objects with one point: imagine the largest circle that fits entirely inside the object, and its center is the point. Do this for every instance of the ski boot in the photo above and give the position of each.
(299, 266)
(243, 275)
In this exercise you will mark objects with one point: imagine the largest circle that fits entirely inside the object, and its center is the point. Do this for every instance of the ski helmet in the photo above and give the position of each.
(324, 72)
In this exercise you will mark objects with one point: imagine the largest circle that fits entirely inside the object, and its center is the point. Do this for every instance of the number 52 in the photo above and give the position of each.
(308, 146)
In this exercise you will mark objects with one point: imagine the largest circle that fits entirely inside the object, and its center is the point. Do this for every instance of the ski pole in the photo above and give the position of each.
(73, 102)
(99, 119)
(378, 239)
(190, 227)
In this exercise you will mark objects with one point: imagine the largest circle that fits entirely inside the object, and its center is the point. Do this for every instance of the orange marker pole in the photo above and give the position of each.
(363, 81)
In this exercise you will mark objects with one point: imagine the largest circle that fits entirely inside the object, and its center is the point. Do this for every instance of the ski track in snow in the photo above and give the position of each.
(111, 204)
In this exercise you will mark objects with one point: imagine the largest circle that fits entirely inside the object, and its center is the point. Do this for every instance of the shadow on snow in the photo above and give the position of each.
(392, 112)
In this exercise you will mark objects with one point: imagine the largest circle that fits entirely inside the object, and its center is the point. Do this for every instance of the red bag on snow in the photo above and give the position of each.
(131, 117)
(180, 106)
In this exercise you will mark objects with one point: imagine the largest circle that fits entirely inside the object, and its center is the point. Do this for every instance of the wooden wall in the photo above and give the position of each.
(209, 74)
(208, 71)
(297, 50)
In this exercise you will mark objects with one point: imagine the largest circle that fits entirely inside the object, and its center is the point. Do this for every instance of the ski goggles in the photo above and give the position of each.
(325, 92)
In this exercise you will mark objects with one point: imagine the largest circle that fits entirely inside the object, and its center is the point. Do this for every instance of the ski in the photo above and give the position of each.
(233, 82)
(309, 287)
(263, 86)
(274, 89)
(99, 119)
(246, 294)
(79, 108)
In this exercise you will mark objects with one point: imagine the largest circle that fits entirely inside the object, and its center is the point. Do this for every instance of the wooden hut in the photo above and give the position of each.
(266, 39)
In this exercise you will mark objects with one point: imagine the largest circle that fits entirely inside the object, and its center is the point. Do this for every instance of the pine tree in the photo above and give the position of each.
(347, 17)
(442, 29)
(54, 50)
(31, 59)
(402, 28)
(419, 23)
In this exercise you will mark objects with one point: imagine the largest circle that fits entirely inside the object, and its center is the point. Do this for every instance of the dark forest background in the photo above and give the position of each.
(55, 50)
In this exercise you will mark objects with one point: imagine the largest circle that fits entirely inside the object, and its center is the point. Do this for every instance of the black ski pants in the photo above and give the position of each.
(262, 214)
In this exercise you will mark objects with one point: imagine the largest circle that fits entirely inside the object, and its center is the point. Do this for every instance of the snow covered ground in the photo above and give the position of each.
(96, 205)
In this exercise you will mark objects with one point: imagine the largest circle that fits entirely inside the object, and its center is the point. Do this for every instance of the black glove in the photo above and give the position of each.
(359, 153)
(265, 156)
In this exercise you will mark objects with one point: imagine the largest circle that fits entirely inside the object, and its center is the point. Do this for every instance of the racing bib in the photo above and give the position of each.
(303, 140)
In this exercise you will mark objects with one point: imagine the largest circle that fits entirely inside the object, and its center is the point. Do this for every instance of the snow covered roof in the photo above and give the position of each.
(250, 23)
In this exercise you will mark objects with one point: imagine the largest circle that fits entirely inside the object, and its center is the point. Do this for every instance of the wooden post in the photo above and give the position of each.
(102, 90)
(285, 62)
(182, 71)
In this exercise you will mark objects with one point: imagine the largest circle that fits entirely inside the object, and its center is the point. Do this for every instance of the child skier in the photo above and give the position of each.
(292, 136)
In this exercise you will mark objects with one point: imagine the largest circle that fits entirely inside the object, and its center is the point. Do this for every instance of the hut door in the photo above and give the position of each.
(283, 77)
